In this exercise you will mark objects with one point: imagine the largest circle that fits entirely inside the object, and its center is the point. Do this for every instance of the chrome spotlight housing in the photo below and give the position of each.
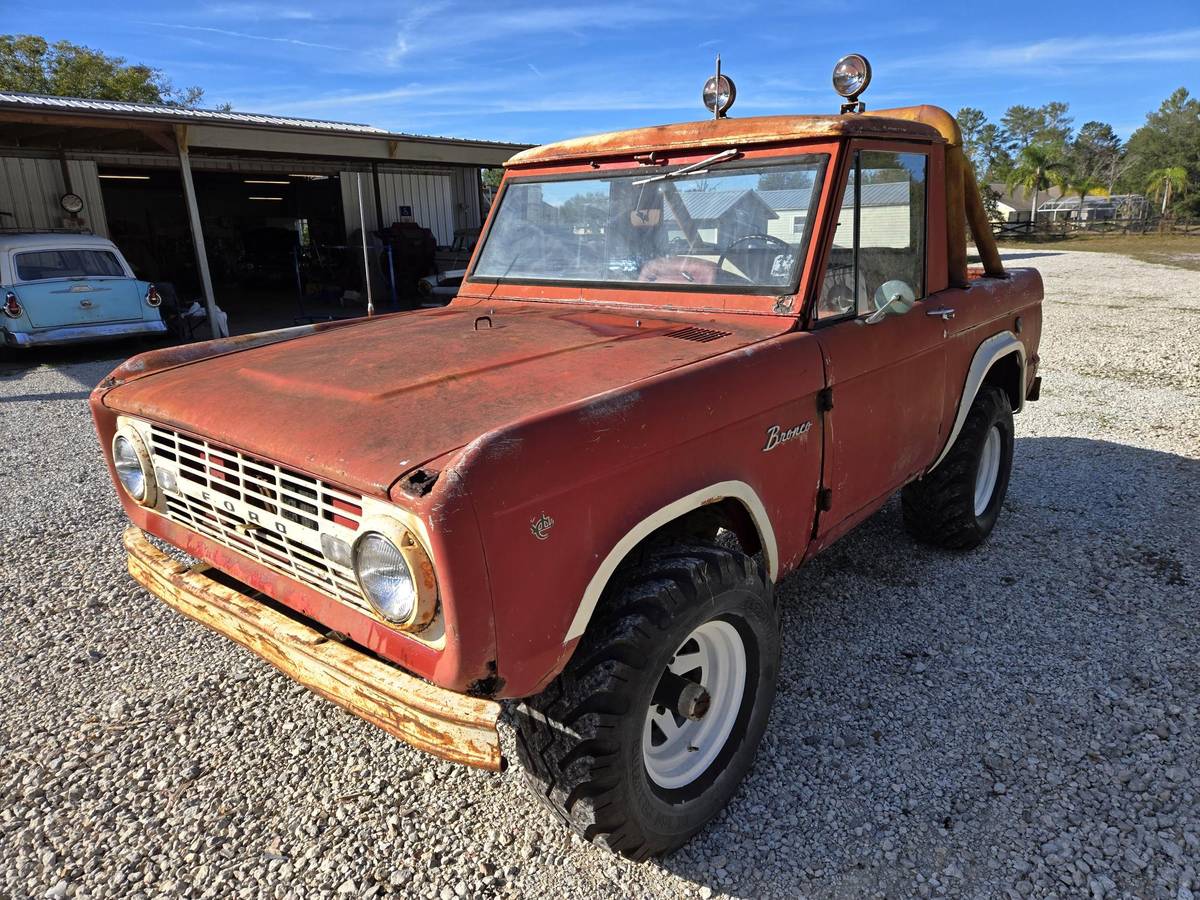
(851, 76)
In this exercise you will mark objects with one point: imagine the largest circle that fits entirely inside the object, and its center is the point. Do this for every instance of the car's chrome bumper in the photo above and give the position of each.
(72, 334)
(447, 724)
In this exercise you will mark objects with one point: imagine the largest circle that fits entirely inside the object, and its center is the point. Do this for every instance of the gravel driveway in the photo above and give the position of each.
(1021, 720)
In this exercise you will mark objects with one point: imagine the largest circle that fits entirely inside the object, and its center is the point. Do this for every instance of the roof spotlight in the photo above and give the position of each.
(719, 93)
(851, 76)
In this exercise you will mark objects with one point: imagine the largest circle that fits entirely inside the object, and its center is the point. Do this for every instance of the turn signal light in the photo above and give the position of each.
(12, 306)
(153, 297)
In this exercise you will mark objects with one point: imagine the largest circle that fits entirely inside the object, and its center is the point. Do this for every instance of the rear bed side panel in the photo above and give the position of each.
(598, 469)
(986, 307)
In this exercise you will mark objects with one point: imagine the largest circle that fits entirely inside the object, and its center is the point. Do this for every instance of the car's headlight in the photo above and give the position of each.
(395, 574)
(132, 462)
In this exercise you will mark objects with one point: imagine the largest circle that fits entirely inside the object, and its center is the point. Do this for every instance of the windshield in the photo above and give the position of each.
(736, 228)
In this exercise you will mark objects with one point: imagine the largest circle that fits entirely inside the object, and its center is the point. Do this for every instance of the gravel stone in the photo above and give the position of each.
(142, 756)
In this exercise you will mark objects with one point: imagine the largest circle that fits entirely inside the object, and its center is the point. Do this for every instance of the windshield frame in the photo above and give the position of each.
(822, 153)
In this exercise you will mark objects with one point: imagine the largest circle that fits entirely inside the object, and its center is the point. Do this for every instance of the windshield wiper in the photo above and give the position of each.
(697, 168)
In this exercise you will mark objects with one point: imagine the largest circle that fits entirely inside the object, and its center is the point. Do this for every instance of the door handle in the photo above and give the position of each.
(944, 311)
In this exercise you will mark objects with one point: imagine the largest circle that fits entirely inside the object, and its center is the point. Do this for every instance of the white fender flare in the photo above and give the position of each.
(737, 490)
(994, 348)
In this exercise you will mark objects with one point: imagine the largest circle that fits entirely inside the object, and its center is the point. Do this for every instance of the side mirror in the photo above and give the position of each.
(892, 298)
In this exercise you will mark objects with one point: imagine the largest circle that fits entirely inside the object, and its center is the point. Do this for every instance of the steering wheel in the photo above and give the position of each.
(768, 239)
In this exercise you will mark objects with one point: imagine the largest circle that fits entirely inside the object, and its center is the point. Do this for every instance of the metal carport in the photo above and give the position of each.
(50, 146)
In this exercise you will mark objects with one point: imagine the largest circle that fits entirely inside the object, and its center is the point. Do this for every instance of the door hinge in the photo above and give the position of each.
(825, 400)
(825, 499)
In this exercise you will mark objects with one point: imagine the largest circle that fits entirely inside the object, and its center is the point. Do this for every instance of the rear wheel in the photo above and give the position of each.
(653, 725)
(956, 505)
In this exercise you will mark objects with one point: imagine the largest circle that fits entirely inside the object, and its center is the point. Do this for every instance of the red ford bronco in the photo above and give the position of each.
(684, 360)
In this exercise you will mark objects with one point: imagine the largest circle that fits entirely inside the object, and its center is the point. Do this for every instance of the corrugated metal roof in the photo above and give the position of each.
(177, 113)
(881, 193)
(126, 109)
(795, 198)
(713, 204)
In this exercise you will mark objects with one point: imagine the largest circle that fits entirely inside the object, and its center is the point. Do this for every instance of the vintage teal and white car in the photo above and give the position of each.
(66, 288)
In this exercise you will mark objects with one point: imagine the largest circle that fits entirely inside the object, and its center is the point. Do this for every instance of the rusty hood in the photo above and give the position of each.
(361, 405)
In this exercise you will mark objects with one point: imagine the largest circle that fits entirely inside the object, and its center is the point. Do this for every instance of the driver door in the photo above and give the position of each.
(886, 373)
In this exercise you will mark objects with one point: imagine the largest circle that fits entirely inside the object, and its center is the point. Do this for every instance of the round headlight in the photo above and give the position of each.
(385, 577)
(132, 462)
(851, 75)
(395, 575)
(719, 94)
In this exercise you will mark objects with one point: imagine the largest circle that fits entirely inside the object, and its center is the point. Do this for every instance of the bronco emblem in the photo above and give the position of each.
(777, 436)
(541, 527)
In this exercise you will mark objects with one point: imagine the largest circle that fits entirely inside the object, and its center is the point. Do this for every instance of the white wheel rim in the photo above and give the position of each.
(677, 750)
(988, 471)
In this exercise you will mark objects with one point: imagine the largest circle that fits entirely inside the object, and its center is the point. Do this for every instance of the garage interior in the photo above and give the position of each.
(259, 218)
(263, 231)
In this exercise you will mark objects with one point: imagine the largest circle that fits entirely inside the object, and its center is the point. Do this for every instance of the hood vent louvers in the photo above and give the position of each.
(699, 335)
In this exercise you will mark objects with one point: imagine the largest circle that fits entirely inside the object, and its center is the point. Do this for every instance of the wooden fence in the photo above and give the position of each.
(1066, 227)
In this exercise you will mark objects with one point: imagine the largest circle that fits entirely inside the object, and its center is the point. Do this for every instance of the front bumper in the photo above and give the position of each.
(447, 724)
(73, 334)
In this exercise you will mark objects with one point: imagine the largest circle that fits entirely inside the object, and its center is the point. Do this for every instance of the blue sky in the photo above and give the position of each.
(537, 70)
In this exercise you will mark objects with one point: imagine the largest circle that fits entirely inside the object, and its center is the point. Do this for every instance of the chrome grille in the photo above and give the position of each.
(272, 514)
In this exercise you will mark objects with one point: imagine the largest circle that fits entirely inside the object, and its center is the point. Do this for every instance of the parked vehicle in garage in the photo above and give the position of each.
(442, 286)
(440, 289)
(575, 486)
(66, 288)
(458, 254)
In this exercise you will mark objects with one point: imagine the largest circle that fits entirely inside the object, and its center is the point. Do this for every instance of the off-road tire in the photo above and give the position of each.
(939, 509)
(580, 740)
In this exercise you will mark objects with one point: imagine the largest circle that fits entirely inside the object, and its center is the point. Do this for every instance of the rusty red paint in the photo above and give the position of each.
(359, 410)
(576, 407)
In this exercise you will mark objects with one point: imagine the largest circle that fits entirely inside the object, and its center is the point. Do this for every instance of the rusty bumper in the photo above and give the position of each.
(447, 724)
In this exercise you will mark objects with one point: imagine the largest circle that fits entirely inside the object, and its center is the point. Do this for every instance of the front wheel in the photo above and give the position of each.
(956, 505)
(653, 725)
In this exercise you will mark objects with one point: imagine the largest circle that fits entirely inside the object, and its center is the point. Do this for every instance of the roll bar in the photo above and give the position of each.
(964, 206)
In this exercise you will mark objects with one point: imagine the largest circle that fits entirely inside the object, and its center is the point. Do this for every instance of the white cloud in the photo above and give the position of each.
(418, 35)
(372, 98)
(409, 27)
(259, 11)
(241, 34)
(1060, 53)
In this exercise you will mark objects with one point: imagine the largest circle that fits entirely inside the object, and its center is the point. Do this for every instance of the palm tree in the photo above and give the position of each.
(1165, 181)
(1036, 166)
(1081, 186)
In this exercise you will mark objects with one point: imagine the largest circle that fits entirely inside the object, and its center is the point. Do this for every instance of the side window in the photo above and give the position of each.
(880, 237)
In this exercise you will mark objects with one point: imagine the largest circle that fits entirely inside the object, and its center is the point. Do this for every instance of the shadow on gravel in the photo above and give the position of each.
(947, 715)
(74, 361)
